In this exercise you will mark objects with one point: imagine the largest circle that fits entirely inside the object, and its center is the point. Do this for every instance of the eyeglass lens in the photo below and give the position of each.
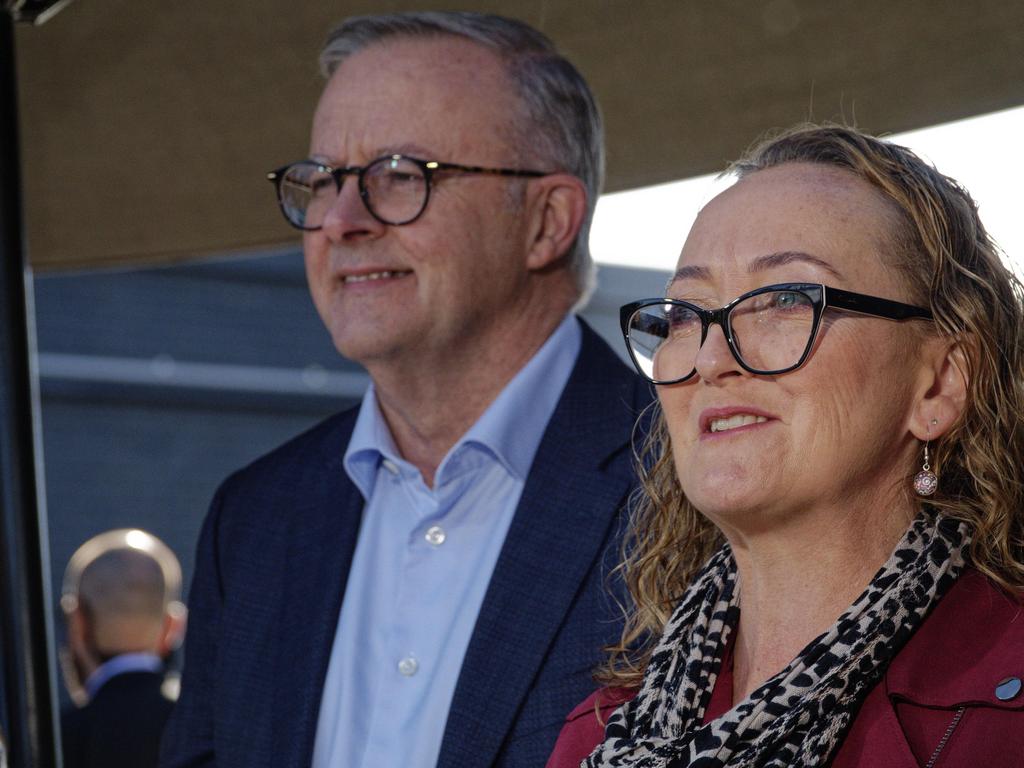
(770, 331)
(394, 190)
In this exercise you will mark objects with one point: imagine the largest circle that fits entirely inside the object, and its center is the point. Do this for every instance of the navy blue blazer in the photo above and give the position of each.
(273, 559)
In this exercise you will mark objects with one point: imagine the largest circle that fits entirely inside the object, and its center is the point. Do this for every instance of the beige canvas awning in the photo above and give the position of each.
(147, 126)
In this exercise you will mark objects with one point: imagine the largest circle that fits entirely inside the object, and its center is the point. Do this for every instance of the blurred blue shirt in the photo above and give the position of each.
(421, 567)
(125, 662)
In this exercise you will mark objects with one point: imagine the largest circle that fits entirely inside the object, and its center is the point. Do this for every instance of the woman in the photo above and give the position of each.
(828, 561)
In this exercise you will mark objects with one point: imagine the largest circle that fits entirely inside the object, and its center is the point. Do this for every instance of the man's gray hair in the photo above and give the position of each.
(563, 122)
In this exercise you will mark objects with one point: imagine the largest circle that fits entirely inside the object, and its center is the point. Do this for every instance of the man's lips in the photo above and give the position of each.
(365, 276)
(718, 420)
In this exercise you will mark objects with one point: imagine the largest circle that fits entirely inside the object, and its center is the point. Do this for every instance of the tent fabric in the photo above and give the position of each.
(147, 127)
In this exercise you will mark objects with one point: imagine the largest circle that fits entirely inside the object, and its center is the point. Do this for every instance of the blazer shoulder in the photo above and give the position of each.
(605, 403)
(599, 363)
(258, 499)
(321, 446)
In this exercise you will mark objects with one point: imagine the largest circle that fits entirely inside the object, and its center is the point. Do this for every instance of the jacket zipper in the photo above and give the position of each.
(945, 737)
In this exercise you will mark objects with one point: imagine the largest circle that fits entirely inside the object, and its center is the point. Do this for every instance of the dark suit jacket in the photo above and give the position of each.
(120, 726)
(273, 559)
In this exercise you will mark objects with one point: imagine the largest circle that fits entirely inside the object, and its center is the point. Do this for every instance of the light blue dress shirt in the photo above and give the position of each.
(421, 567)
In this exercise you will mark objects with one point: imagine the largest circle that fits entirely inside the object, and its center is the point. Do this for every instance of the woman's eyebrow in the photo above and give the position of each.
(782, 258)
(688, 273)
(691, 273)
(761, 263)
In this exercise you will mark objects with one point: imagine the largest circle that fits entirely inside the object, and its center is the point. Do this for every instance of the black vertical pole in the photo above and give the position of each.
(26, 644)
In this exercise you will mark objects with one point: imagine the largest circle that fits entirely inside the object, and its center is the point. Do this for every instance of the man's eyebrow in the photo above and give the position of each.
(409, 150)
(782, 258)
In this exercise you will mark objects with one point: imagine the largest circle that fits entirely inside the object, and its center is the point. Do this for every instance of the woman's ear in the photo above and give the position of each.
(944, 388)
(559, 205)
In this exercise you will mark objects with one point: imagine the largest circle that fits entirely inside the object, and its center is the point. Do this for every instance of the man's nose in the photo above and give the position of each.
(348, 216)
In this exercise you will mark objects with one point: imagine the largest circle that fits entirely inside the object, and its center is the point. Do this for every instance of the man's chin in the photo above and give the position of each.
(370, 349)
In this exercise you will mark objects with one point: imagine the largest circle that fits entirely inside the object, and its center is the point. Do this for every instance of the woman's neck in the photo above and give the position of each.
(794, 584)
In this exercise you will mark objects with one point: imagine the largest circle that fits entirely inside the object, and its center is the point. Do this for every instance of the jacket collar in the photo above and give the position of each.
(322, 525)
(973, 640)
(561, 527)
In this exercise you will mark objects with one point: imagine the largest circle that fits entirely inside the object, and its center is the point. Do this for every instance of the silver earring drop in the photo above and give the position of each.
(925, 481)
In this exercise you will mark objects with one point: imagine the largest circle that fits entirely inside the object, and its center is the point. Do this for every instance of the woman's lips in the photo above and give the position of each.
(718, 421)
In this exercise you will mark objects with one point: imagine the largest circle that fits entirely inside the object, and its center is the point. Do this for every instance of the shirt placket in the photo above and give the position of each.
(408, 671)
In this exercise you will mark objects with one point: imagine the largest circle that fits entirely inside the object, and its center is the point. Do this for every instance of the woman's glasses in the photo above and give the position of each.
(769, 330)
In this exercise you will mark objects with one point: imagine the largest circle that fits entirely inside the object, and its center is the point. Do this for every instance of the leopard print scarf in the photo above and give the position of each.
(799, 716)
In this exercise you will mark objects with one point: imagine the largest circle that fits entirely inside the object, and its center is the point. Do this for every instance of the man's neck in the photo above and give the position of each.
(431, 404)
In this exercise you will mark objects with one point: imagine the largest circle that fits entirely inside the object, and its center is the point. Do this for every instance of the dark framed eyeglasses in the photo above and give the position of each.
(394, 188)
(769, 330)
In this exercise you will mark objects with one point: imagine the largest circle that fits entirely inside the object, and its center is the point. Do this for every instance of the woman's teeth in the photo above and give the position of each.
(739, 420)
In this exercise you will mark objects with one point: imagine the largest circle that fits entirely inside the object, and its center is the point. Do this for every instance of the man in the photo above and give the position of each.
(124, 618)
(422, 581)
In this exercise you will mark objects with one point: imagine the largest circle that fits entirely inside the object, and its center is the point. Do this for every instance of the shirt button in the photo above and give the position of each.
(435, 536)
(1008, 689)
(390, 466)
(408, 666)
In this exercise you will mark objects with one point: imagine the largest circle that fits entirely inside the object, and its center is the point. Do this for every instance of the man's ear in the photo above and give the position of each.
(558, 206)
(944, 388)
(173, 631)
(80, 642)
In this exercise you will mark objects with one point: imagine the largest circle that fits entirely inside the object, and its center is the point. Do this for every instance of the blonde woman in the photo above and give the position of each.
(828, 561)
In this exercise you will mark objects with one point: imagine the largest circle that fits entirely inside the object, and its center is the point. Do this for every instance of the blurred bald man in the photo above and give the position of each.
(124, 618)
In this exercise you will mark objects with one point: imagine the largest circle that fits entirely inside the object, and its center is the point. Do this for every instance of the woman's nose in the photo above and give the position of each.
(715, 358)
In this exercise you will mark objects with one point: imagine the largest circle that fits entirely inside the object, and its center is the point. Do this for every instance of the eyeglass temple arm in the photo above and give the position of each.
(626, 312)
(433, 165)
(872, 305)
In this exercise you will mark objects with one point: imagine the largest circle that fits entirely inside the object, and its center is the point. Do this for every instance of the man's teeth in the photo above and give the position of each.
(739, 420)
(374, 276)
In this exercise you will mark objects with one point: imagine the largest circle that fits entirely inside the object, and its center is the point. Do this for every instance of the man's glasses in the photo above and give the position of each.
(769, 330)
(394, 188)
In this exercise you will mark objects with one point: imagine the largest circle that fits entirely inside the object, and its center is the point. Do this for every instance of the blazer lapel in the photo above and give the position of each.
(321, 539)
(561, 525)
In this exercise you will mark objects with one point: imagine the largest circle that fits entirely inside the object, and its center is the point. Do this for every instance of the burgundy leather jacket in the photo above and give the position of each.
(955, 692)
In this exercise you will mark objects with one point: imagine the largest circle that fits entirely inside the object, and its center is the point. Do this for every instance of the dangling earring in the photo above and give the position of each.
(925, 481)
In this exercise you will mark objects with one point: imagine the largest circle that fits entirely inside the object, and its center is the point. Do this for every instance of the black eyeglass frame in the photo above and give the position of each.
(822, 297)
(427, 167)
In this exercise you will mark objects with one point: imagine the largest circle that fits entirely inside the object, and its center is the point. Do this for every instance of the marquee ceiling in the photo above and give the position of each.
(147, 126)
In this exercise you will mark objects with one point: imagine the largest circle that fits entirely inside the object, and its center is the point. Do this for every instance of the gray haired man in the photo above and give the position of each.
(422, 580)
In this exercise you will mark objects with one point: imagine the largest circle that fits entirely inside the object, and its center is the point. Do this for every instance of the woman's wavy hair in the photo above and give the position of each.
(950, 264)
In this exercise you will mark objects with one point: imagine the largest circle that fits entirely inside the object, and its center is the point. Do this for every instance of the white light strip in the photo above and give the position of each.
(165, 371)
(646, 227)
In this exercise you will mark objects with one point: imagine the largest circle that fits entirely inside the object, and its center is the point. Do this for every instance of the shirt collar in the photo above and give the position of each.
(512, 426)
(510, 429)
(125, 662)
(371, 442)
